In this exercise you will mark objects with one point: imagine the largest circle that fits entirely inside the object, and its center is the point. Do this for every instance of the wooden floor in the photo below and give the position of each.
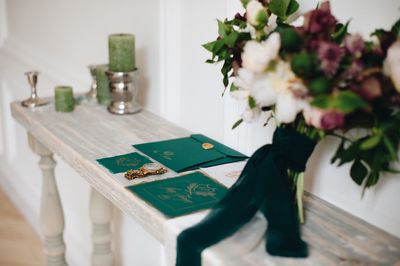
(19, 243)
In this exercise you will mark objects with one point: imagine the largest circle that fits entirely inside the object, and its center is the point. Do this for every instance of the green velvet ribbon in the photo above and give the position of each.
(263, 185)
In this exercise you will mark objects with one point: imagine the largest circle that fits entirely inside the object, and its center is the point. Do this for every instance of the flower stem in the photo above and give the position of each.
(299, 196)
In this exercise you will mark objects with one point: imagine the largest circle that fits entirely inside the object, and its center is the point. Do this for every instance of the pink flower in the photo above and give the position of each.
(330, 55)
(332, 119)
(354, 44)
(313, 116)
(323, 119)
(320, 19)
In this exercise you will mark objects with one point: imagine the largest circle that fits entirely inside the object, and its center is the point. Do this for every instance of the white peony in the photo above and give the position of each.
(256, 85)
(256, 13)
(287, 107)
(257, 56)
(278, 87)
(391, 65)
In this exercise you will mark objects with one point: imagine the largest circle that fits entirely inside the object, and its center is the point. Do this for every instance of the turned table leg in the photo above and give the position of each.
(100, 214)
(51, 212)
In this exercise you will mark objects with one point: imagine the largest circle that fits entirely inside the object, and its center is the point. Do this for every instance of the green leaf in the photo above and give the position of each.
(252, 102)
(303, 64)
(390, 147)
(396, 29)
(349, 154)
(372, 179)
(244, 36)
(340, 32)
(210, 61)
(233, 87)
(370, 142)
(226, 68)
(293, 7)
(244, 2)
(262, 17)
(321, 101)
(215, 47)
(338, 152)
(320, 86)
(348, 101)
(358, 172)
(231, 39)
(223, 29)
(279, 7)
(290, 39)
(237, 123)
(209, 46)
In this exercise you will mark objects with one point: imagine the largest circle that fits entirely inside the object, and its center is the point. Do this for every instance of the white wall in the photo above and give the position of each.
(60, 38)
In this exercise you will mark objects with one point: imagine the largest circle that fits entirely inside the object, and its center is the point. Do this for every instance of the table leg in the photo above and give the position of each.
(51, 212)
(100, 214)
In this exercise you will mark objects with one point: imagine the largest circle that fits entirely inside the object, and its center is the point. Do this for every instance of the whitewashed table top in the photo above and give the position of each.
(90, 133)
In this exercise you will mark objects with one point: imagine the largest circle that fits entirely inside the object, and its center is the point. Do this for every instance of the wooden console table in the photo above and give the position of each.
(90, 132)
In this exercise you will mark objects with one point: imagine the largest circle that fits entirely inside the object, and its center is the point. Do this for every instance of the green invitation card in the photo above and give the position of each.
(189, 153)
(181, 195)
(124, 162)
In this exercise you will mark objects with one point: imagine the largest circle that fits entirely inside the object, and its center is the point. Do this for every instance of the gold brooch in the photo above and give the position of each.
(207, 146)
(146, 170)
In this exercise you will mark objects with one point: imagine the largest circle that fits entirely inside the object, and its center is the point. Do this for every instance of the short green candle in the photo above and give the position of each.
(103, 85)
(121, 52)
(64, 99)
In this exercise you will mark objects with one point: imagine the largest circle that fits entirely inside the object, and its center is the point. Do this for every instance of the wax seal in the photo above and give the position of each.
(207, 146)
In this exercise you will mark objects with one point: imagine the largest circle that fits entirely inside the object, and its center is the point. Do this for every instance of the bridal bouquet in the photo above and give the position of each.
(315, 76)
(315, 79)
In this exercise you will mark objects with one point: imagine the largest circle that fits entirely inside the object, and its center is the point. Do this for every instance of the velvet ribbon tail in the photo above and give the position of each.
(263, 185)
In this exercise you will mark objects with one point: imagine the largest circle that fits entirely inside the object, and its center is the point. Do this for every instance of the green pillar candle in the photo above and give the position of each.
(64, 99)
(103, 85)
(121, 52)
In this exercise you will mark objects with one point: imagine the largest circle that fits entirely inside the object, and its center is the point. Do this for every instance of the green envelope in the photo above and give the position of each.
(184, 154)
(181, 195)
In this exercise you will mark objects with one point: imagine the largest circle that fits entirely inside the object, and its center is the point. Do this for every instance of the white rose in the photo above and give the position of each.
(256, 56)
(256, 85)
(391, 65)
(287, 107)
(256, 13)
(251, 115)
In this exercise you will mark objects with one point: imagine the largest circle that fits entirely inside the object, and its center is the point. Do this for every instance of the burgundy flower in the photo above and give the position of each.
(238, 16)
(332, 119)
(320, 19)
(330, 55)
(354, 44)
(313, 44)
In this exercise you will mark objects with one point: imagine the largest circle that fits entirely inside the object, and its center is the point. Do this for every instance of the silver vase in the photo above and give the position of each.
(124, 89)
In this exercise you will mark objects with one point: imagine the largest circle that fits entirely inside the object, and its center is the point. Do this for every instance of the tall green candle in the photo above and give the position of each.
(64, 99)
(121, 52)
(103, 85)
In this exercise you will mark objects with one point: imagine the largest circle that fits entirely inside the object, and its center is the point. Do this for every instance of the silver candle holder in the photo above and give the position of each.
(124, 89)
(34, 100)
(91, 94)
